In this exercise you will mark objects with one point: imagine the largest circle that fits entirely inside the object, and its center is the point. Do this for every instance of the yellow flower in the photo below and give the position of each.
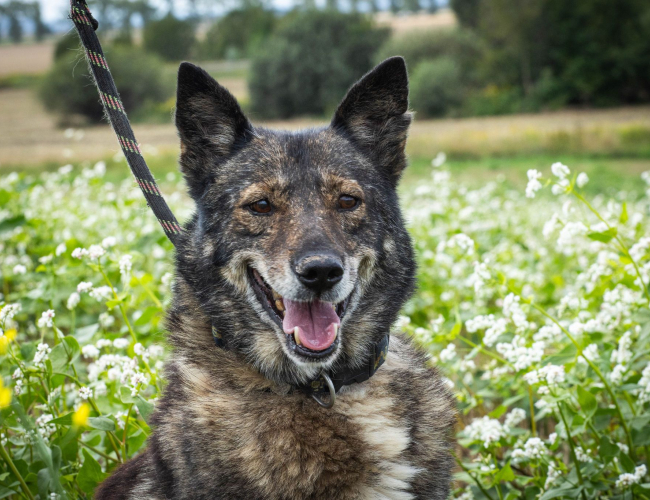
(80, 417)
(6, 338)
(5, 395)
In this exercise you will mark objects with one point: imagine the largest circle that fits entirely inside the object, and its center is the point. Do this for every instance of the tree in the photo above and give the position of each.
(170, 38)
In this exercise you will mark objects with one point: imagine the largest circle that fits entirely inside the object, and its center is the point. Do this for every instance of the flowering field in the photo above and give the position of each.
(534, 304)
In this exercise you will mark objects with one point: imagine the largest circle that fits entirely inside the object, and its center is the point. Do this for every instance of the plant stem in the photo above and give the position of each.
(572, 446)
(23, 485)
(600, 376)
(533, 425)
(101, 454)
(478, 483)
(484, 351)
(619, 241)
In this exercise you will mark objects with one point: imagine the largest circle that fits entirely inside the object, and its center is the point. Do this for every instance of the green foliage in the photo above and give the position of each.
(239, 34)
(140, 77)
(551, 53)
(436, 87)
(170, 38)
(66, 45)
(310, 61)
(443, 66)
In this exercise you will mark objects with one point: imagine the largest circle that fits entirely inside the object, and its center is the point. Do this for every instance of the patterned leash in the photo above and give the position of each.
(86, 25)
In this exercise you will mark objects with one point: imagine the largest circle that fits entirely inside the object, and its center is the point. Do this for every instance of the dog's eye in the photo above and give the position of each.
(347, 202)
(261, 206)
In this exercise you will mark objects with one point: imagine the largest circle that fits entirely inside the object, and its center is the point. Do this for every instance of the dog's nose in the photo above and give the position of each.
(319, 272)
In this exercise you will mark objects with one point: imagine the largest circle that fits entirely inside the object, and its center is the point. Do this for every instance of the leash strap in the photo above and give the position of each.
(86, 25)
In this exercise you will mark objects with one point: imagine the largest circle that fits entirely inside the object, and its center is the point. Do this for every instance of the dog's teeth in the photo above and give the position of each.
(336, 330)
(296, 335)
(279, 305)
(276, 295)
(333, 306)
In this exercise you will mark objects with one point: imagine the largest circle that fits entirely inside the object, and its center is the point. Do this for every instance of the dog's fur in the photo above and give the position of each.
(232, 423)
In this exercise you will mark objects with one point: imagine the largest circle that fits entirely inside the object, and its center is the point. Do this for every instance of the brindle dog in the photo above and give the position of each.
(298, 256)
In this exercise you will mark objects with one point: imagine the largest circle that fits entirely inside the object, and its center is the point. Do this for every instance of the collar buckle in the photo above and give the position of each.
(330, 386)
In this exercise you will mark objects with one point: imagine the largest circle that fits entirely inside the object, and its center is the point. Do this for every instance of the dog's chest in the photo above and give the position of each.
(357, 450)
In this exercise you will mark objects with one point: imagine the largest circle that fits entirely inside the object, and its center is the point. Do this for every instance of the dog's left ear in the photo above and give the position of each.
(209, 121)
(374, 113)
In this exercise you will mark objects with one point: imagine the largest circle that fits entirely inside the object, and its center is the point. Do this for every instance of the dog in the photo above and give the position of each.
(296, 263)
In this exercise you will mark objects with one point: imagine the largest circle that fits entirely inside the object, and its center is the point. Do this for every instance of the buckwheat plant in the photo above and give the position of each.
(85, 274)
(536, 306)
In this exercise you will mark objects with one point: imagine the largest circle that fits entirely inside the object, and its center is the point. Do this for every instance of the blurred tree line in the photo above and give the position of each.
(505, 56)
(14, 14)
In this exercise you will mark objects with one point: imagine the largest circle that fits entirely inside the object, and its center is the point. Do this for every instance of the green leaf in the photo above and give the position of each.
(27, 351)
(101, 423)
(5, 492)
(604, 236)
(498, 411)
(125, 395)
(566, 355)
(58, 357)
(83, 335)
(566, 491)
(627, 463)
(624, 217)
(64, 420)
(505, 474)
(587, 401)
(607, 449)
(144, 407)
(72, 347)
(90, 474)
(43, 482)
(146, 316)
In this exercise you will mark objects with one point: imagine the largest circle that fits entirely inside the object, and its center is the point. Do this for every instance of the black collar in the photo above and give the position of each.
(332, 382)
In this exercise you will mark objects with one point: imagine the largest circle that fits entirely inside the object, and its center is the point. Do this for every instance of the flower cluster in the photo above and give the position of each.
(544, 332)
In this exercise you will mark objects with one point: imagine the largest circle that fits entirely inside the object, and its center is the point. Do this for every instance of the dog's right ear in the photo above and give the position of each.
(209, 121)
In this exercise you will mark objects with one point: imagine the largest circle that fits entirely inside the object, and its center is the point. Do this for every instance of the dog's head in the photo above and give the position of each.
(297, 251)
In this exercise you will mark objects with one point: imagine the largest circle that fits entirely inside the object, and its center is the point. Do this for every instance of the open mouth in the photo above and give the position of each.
(311, 328)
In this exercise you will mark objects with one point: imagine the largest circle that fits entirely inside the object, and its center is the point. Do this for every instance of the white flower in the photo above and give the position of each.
(568, 234)
(644, 384)
(533, 449)
(84, 287)
(486, 430)
(8, 312)
(551, 476)
(60, 249)
(79, 253)
(533, 183)
(560, 187)
(552, 437)
(582, 455)
(447, 354)
(439, 160)
(560, 170)
(626, 480)
(109, 242)
(73, 300)
(90, 351)
(101, 293)
(623, 447)
(42, 354)
(582, 179)
(85, 392)
(95, 252)
(19, 269)
(125, 265)
(46, 319)
(617, 374)
(589, 353)
(106, 320)
(551, 374)
(514, 417)
(121, 343)
(402, 322)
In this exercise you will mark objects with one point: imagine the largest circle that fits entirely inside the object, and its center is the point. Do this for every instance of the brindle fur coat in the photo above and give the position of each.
(231, 423)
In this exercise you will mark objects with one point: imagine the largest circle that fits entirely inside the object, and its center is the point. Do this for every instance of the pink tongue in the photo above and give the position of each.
(317, 322)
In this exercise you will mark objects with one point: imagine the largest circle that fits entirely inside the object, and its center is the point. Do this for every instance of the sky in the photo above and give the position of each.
(56, 10)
